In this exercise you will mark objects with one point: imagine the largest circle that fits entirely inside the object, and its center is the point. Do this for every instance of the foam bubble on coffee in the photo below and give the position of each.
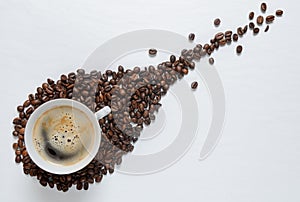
(63, 135)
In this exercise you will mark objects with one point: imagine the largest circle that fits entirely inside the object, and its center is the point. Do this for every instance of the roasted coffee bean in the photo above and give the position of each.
(26, 103)
(267, 28)
(245, 29)
(86, 186)
(228, 33)
(18, 159)
(194, 85)
(251, 25)
(98, 178)
(270, 19)
(15, 133)
(20, 108)
(263, 7)
(211, 61)
(235, 37)
(256, 30)
(152, 52)
(279, 12)
(251, 15)
(217, 22)
(240, 31)
(239, 49)
(191, 36)
(29, 110)
(219, 36)
(172, 58)
(222, 42)
(15, 146)
(259, 20)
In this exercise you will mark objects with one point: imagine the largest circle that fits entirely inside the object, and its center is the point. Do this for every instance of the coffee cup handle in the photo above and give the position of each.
(103, 112)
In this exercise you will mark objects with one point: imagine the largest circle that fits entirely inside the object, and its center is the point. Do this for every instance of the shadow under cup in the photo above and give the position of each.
(62, 136)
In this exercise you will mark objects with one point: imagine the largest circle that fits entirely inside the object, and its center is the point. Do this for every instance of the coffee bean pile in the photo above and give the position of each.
(133, 96)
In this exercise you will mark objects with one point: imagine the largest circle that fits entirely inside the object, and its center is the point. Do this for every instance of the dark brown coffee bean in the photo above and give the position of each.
(29, 110)
(263, 7)
(270, 19)
(251, 15)
(240, 31)
(15, 133)
(235, 37)
(20, 108)
(191, 36)
(18, 159)
(222, 42)
(219, 36)
(251, 25)
(239, 49)
(79, 186)
(26, 103)
(267, 28)
(86, 186)
(245, 29)
(259, 20)
(279, 12)
(98, 178)
(211, 61)
(217, 22)
(22, 131)
(228, 33)
(194, 85)
(152, 52)
(256, 30)
(172, 58)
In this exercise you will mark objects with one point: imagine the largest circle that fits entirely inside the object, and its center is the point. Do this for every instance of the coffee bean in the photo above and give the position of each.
(26, 103)
(172, 58)
(239, 49)
(191, 36)
(217, 22)
(235, 37)
(18, 159)
(98, 178)
(279, 12)
(86, 186)
(251, 15)
(259, 20)
(219, 36)
(245, 29)
(267, 28)
(211, 61)
(263, 7)
(251, 25)
(20, 108)
(152, 52)
(240, 31)
(256, 30)
(228, 33)
(270, 19)
(29, 110)
(15, 146)
(194, 85)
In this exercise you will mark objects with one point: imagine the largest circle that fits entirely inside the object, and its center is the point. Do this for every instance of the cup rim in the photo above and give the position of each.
(56, 168)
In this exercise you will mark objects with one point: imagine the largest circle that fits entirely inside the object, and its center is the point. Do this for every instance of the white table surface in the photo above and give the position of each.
(258, 156)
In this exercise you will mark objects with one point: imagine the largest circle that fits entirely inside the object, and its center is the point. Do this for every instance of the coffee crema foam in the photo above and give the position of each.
(63, 135)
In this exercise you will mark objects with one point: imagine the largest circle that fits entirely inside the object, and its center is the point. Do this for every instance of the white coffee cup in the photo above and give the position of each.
(92, 151)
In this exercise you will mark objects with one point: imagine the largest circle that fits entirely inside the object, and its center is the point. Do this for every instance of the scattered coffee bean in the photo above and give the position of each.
(263, 7)
(235, 37)
(219, 36)
(251, 25)
(267, 28)
(256, 30)
(152, 52)
(217, 22)
(245, 29)
(172, 58)
(240, 31)
(251, 15)
(259, 20)
(270, 19)
(194, 85)
(191, 36)
(239, 49)
(211, 61)
(279, 12)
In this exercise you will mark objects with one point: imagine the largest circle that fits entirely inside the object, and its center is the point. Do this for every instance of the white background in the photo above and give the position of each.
(258, 156)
